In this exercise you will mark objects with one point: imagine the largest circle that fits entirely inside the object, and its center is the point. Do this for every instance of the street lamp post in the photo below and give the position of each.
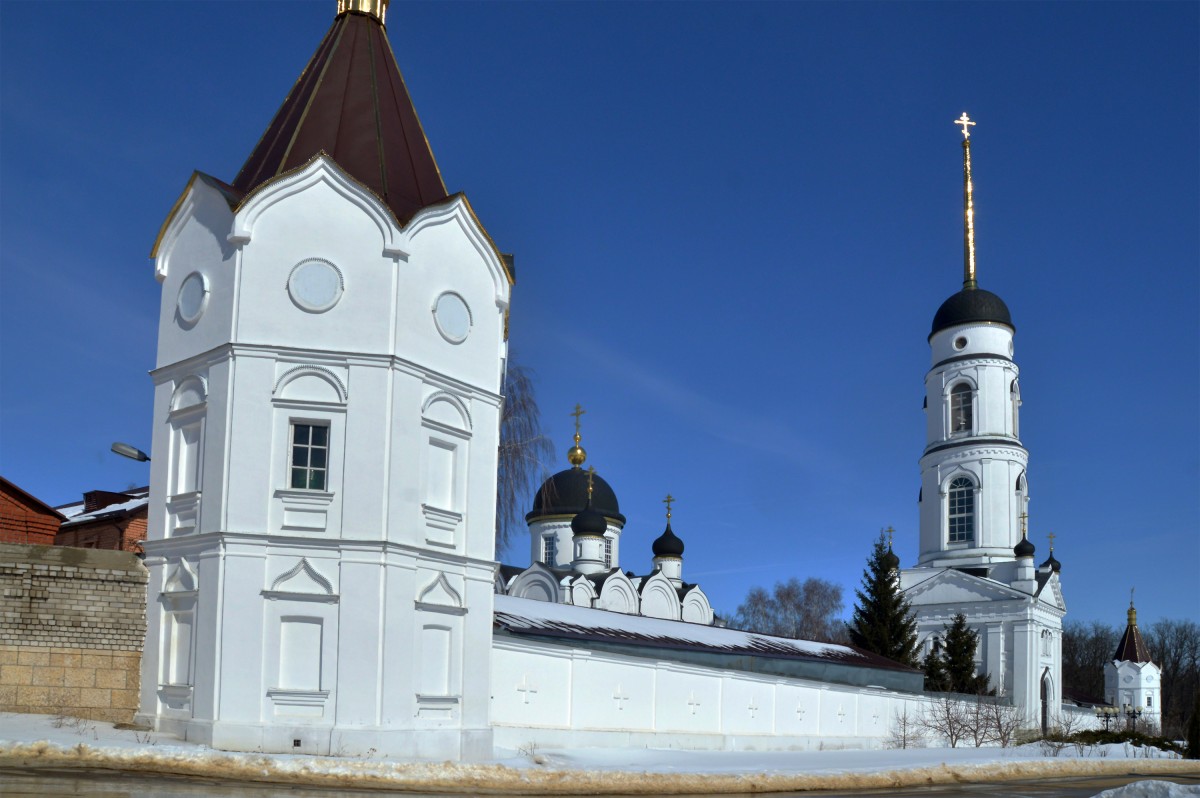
(1132, 714)
(1107, 715)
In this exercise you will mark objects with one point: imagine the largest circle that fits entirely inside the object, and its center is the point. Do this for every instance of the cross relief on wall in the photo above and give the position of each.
(799, 712)
(619, 698)
(753, 708)
(526, 689)
(692, 702)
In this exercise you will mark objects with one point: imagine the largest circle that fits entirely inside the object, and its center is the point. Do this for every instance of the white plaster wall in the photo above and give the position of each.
(571, 696)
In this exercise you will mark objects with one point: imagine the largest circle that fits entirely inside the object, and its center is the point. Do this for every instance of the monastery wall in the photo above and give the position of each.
(73, 625)
(552, 695)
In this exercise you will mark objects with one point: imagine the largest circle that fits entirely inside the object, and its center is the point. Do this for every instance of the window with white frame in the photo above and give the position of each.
(608, 552)
(962, 510)
(310, 456)
(961, 408)
(1149, 702)
(550, 550)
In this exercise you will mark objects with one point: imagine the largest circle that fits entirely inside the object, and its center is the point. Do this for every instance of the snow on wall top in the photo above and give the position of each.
(531, 617)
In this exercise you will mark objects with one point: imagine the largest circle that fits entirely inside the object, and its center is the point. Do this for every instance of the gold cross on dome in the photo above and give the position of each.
(890, 533)
(591, 473)
(579, 411)
(1051, 537)
(964, 120)
(1024, 532)
(667, 501)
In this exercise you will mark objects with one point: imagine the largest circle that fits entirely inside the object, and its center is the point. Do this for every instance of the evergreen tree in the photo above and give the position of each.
(958, 656)
(936, 679)
(883, 620)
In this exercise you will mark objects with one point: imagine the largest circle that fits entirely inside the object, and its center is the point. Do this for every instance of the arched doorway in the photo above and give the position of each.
(1047, 692)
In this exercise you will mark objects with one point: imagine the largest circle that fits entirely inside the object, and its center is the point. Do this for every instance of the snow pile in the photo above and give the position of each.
(34, 741)
(1151, 789)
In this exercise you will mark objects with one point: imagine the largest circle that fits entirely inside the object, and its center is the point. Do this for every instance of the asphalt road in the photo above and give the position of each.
(31, 783)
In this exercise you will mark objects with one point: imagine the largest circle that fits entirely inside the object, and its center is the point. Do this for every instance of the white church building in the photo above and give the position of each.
(331, 355)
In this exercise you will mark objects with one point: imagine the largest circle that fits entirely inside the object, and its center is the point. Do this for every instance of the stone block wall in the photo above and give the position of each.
(72, 624)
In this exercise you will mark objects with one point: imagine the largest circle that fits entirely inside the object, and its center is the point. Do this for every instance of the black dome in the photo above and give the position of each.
(971, 305)
(667, 544)
(1024, 548)
(892, 561)
(589, 521)
(1054, 564)
(566, 493)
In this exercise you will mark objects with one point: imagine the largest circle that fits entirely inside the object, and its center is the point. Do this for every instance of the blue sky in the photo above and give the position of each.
(732, 223)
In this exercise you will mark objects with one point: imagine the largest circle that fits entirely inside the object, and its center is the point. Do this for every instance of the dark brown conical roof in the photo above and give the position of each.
(1132, 648)
(351, 103)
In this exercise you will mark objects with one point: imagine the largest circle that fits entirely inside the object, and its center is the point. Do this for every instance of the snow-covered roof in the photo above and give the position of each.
(75, 514)
(523, 616)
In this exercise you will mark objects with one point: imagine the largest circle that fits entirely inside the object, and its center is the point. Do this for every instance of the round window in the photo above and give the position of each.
(315, 285)
(453, 317)
(960, 342)
(193, 298)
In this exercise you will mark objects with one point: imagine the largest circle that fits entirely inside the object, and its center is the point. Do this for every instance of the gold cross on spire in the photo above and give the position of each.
(965, 121)
(579, 411)
(576, 454)
(591, 472)
(667, 501)
(1024, 530)
(1051, 537)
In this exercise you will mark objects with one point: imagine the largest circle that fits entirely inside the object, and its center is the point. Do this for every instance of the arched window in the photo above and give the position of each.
(962, 510)
(961, 408)
(1014, 395)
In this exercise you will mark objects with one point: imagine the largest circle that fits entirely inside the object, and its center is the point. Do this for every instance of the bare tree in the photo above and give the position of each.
(1003, 720)
(1086, 648)
(905, 731)
(807, 610)
(946, 719)
(524, 451)
(1175, 647)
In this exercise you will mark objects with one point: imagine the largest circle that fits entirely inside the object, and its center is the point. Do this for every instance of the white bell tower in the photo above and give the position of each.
(973, 484)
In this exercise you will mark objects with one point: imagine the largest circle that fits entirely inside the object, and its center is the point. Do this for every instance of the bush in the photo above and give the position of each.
(1100, 737)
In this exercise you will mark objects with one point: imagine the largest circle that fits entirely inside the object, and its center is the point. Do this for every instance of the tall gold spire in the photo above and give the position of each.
(375, 8)
(576, 454)
(968, 205)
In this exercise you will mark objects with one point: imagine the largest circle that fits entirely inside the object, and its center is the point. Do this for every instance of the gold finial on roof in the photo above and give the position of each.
(667, 501)
(969, 205)
(374, 8)
(1132, 614)
(576, 454)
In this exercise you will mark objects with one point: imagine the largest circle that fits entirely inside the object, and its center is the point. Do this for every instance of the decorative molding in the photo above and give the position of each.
(302, 567)
(318, 371)
(439, 596)
(456, 402)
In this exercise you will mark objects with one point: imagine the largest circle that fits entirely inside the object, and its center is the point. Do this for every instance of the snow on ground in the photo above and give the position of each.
(1151, 789)
(41, 741)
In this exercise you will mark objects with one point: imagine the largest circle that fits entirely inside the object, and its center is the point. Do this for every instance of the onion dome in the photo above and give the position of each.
(589, 521)
(667, 544)
(891, 560)
(1052, 563)
(1025, 548)
(566, 493)
(969, 306)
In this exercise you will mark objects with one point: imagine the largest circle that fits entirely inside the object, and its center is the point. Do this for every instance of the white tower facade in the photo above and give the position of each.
(326, 422)
(1132, 682)
(973, 556)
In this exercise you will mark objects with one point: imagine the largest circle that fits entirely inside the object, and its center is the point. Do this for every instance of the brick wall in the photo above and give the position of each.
(122, 534)
(22, 523)
(71, 632)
